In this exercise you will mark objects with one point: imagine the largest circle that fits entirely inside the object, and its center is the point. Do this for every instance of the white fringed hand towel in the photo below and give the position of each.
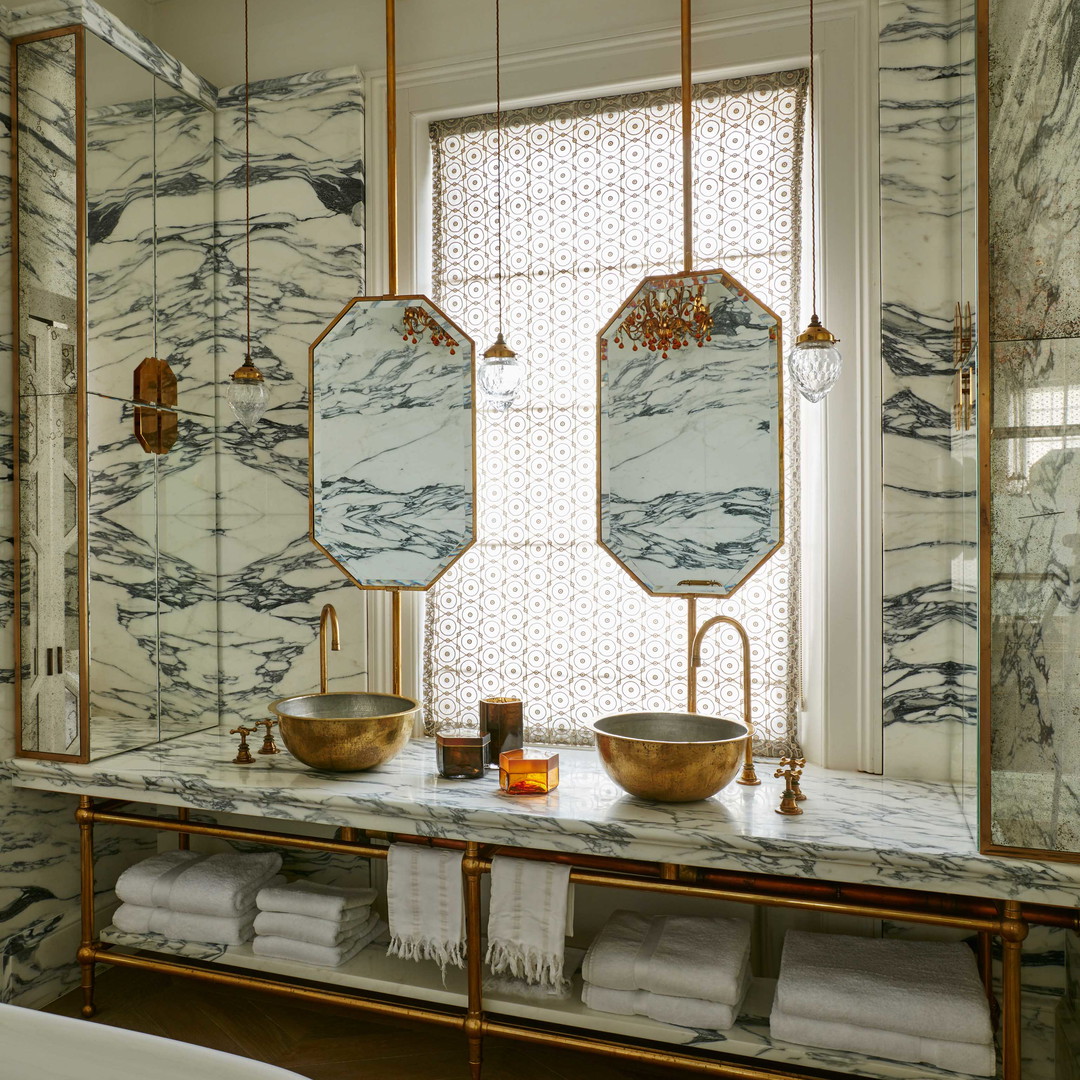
(527, 923)
(424, 905)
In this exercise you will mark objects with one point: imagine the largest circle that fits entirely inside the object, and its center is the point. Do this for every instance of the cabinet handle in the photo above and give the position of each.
(48, 662)
(59, 659)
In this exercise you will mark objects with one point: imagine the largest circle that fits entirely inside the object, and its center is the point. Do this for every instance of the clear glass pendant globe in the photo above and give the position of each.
(248, 399)
(814, 367)
(500, 379)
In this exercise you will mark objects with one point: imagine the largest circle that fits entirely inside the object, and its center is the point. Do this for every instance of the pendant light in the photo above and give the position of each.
(815, 360)
(501, 373)
(247, 394)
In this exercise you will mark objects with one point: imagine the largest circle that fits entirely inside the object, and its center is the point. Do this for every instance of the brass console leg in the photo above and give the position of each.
(85, 818)
(183, 840)
(474, 960)
(1013, 931)
(985, 957)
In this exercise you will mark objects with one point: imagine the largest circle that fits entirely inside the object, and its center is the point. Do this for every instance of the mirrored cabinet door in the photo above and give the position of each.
(50, 436)
(117, 562)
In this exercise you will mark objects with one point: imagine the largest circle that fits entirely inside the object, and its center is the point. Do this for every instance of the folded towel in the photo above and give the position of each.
(700, 957)
(424, 903)
(315, 900)
(527, 921)
(304, 952)
(184, 926)
(224, 885)
(695, 957)
(329, 932)
(975, 1059)
(929, 989)
(681, 1011)
(610, 959)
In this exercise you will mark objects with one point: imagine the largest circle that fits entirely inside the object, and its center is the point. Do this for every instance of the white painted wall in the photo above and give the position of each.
(289, 37)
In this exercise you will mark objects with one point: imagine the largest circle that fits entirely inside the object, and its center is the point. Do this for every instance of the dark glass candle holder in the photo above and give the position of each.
(461, 757)
(501, 718)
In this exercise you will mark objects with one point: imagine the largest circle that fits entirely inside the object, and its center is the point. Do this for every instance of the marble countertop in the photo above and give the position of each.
(856, 827)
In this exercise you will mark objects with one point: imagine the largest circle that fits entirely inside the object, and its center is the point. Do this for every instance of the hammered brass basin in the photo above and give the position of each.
(345, 732)
(669, 756)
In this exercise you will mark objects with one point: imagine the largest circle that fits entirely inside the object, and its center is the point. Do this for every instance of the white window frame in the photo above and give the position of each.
(841, 719)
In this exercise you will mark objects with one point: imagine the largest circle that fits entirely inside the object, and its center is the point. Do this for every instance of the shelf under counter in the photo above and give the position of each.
(373, 972)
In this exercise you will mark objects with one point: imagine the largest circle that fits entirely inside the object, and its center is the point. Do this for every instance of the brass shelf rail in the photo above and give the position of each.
(1005, 919)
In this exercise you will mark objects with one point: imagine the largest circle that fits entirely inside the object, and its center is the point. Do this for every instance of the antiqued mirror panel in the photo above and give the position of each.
(691, 462)
(392, 442)
(48, 591)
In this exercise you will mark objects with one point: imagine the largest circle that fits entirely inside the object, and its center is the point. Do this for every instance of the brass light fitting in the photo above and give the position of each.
(416, 322)
(668, 319)
(156, 428)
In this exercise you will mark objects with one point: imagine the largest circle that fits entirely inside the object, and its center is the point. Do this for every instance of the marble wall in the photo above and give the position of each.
(928, 678)
(307, 261)
(1035, 455)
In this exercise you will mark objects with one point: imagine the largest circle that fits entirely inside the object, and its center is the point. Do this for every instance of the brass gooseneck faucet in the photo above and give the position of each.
(328, 617)
(749, 776)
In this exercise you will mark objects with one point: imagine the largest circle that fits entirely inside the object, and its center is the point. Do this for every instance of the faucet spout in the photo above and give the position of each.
(328, 617)
(749, 777)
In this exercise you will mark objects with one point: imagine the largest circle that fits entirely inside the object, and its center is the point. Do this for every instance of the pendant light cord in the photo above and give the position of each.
(813, 174)
(687, 136)
(247, 179)
(498, 159)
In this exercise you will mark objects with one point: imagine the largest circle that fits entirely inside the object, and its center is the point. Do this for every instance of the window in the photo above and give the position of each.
(591, 204)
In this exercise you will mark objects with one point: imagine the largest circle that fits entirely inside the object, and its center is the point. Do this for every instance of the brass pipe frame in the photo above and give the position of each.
(86, 953)
(748, 777)
(229, 832)
(395, 640)
(473, 867)
(391, 153)
(327, 617)
(687, 131)
(299, 991)
(691, 671)
(1008, 920)
(638, 1054)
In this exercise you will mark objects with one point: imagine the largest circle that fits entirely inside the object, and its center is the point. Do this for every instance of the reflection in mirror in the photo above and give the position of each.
(392, 442)
(50, 706)
(691, 460)
(119, 218)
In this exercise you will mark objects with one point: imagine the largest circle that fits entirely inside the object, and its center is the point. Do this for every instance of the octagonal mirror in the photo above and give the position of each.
(691, 434)
(391, 410)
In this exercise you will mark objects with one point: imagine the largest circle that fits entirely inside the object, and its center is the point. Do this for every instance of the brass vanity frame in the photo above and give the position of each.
(1006, 919)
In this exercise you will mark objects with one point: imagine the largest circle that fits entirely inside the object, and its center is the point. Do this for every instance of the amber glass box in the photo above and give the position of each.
(528, 772)
(461, 757)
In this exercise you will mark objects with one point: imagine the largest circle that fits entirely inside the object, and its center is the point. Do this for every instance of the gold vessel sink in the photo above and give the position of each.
(670, 756)
(345, 732)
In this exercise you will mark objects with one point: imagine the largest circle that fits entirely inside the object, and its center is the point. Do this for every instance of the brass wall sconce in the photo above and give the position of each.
(156, 429)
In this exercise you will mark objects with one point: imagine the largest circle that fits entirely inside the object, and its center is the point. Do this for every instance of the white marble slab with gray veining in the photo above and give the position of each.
(856, 827)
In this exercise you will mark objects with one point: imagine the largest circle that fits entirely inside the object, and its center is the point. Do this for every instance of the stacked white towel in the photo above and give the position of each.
(313, 923)
(914, 1001)
(187, 896)
(678, 969)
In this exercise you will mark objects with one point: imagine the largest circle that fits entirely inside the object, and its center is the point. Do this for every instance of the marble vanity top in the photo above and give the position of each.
(856, 827)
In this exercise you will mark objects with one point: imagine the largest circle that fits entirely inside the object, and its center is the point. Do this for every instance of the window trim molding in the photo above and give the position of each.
(842, 722)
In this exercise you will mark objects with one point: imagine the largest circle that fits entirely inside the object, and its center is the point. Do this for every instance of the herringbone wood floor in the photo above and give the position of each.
(324, 1044)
